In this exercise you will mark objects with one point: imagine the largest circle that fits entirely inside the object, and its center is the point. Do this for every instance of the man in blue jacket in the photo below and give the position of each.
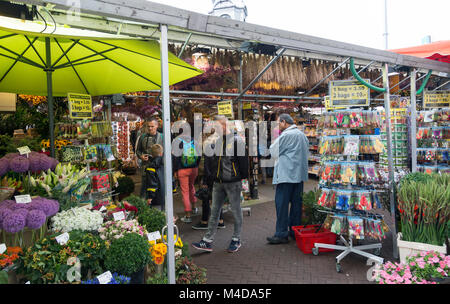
(290, 151)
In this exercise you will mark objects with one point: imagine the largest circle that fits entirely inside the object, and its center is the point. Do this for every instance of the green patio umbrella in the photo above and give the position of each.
(79, 61)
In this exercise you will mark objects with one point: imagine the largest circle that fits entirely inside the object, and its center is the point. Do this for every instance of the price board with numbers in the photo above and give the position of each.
(348, 93)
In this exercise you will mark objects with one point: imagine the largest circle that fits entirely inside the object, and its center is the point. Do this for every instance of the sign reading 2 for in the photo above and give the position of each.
(80, 106)
(345, 93)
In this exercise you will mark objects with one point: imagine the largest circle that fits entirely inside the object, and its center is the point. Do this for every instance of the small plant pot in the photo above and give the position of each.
(406, 248)
(137, 277)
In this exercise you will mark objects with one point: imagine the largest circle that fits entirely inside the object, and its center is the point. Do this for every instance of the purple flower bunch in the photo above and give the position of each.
(15, 217)
(35, 162)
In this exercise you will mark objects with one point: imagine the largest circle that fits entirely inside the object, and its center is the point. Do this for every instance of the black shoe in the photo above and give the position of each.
(200, 226)
(276, 240)
(221, 225)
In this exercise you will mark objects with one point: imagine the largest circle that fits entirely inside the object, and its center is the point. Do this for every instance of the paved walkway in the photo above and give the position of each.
(260, 263)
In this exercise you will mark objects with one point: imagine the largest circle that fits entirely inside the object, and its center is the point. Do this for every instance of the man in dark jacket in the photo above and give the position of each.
(226, 168)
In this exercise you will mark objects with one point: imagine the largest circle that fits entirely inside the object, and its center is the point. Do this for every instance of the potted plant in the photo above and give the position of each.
(128, 256)
(152, 219)
(424, 207)
(125, 187)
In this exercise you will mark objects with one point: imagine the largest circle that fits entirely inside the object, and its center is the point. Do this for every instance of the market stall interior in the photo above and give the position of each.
(143, 19)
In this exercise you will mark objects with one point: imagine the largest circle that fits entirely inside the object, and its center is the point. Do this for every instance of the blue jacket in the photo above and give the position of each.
(290, 151)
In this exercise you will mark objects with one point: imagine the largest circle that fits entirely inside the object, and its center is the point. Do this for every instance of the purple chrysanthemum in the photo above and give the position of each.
(19, 164)
(35, 219)
(4, 166)
(14, 222)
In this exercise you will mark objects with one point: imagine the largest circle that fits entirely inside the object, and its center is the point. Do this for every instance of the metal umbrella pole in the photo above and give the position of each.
(387, 109)
(167, 153)
(49, 70)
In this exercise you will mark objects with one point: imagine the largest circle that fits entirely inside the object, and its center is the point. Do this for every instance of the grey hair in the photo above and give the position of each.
(287, 118)
(220, 118)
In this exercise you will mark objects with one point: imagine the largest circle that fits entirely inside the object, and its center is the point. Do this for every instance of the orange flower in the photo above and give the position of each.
(159, 260)
(14, 250)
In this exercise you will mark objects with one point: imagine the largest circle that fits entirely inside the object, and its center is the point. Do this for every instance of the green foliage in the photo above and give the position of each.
(158, 279)
(137, 202)
(128, 255)
(152, 219)
(47, 261)
(126, 185)
(415, 177)
(10, 145)
(311, 215)
(3, 277)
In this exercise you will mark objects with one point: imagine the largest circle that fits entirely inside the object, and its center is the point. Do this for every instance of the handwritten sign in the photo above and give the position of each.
(23, 199)
(105, 277)
(24, 150)
(346, 93)
(225, 108)
(2, 248)
(118, 216)
(436, 99)
(153, 236)
(62, 239)
(80, 106)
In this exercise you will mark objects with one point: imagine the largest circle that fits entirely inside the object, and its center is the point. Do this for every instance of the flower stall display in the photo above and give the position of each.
(128, 255)
(115, 230)
(113, 207)
(424, 207)
(48, 262)
(427, 267)
(78, 218)
(15, 218)
(152, 219)
(9, 257)
(35, 162)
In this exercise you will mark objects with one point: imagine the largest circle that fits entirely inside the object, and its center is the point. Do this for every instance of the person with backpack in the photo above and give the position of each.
(186, 171)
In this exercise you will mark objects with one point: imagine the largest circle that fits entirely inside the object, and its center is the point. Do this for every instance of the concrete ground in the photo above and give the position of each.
(260, 263)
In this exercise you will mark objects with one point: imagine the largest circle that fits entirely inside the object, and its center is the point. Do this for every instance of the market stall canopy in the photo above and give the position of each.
(82, 61)
(439, 50)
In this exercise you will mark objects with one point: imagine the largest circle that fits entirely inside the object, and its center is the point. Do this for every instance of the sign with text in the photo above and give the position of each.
(247, 106)
(80, 106)
(153, 236)
(105, 277)
(23, 199)
(436, 99)
(225, 108)
(24, 150)
(328, 106)
(62, 239)
(2, 248)
(118, 216)
(347, 93)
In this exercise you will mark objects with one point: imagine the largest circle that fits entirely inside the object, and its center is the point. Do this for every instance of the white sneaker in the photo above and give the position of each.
(195, 210)
(186, 219)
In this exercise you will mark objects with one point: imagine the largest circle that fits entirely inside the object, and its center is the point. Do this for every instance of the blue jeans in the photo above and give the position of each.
(220, 192)
(288, 193)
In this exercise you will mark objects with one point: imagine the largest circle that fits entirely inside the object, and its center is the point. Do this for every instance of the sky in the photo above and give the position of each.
(358, 22)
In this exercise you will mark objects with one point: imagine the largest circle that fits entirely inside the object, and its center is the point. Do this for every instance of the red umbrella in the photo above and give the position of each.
(439, 50)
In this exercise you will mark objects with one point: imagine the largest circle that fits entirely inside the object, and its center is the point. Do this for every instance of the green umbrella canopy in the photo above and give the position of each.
(83, 61)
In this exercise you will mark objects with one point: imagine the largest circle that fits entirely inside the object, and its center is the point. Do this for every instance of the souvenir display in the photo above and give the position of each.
(355, 227)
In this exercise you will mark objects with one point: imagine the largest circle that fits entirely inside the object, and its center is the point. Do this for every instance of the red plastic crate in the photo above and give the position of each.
(306, 238)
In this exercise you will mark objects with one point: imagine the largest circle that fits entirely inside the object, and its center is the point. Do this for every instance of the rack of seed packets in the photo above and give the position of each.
(347, 180)
(433, 141)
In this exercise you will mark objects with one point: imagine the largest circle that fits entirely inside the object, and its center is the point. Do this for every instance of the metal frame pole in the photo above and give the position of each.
(413, 108)
(364, 68)
(447, 82)
(184, 45)
(49, 71)
(387, 109)
(164, 49)
(240, 104)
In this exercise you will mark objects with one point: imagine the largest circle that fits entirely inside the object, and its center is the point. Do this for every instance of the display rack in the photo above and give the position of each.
(347, 179)
(311, 132)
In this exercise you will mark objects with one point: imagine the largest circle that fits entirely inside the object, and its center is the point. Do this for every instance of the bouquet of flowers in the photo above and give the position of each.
(77, 219)
(115, 230)
(8, 258)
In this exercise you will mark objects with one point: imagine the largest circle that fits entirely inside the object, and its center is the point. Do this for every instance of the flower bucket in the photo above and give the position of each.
(406, 248)
(137, 277)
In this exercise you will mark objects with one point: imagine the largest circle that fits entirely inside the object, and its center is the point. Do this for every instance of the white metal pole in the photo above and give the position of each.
(413, 110)
(167, 152)
(387, 109)
(385, 26)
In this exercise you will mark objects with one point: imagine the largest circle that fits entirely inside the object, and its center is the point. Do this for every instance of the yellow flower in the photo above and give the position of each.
(111, 207)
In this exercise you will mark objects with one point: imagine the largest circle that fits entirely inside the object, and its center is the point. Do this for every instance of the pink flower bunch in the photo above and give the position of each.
(419, 269)
(115, 230)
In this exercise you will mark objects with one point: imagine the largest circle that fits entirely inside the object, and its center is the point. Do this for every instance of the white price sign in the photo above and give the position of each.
(62, 239)
(23, 199)
(153, 236)
(2, 248)
(105, 277)
(24, 150)
(103, 208)
(118, 216)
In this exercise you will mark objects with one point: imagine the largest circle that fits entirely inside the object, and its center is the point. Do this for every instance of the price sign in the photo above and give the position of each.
(2, 248)
(80, 106)
(247, 106)
(105, 277)
(225, 108)
(103, 208)
(24, 150)
(346, 93)
(436, 99)
(62, 239)
(23, 199)
(28, 282)
(153, 236)
(118, 216)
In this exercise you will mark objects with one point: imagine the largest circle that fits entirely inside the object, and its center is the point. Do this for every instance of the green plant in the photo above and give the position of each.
(311, 214)
(126, 185)
(128, 254)
(424, 208)
(138, 202)
(189, 273)
(158, 279)
(152, 219)
(3, 277)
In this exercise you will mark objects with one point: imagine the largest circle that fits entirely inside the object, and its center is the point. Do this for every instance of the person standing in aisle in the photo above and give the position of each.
(290, 151)
(149, 137)
(186, 171)
(227, 171)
